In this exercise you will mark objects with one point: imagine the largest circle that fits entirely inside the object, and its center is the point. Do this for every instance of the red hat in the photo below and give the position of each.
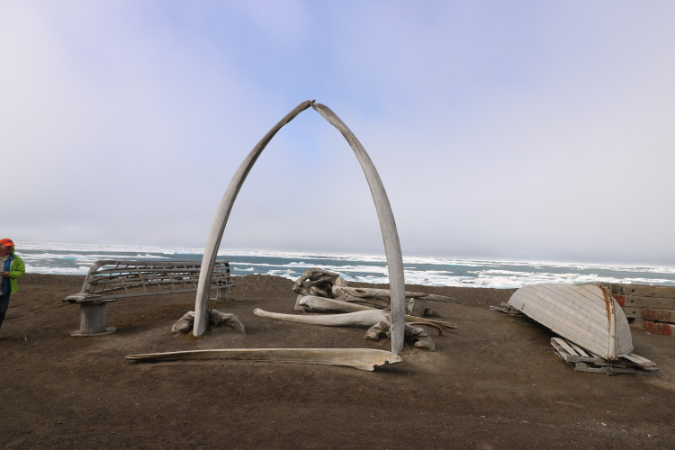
(7, 242)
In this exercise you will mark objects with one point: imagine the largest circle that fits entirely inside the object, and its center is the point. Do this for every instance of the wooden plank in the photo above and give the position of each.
(634, 360)
(590, 301)
(564, 345)
(632, 312)
(615, 288)
(558, 350)
(624, 370)
(650, 302)
(643, 359)
(641, 290)
(581, 367)
(648, 373)
(549, 314)
(578, 349)
(588, 359)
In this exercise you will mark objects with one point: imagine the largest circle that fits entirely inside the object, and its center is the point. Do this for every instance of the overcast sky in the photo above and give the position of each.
(518, 130)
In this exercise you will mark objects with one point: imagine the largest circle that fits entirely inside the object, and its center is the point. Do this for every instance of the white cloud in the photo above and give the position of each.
(519, 131)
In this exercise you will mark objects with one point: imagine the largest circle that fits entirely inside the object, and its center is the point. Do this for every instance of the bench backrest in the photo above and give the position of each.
(107, 278)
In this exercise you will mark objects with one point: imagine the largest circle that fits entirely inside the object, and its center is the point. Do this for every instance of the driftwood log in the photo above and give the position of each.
(392, 246)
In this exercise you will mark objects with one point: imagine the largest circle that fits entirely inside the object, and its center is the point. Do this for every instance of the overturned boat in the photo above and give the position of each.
(585, 314)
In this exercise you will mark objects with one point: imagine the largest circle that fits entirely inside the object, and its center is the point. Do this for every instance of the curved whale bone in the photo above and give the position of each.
(185, 323)
(339, 291)
(371, 318)
(358, 358)
(312, 303)
(366, 318)
(385, 215)
(418, 335)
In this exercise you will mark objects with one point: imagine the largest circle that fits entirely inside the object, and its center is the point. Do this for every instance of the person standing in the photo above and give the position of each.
(12, 268)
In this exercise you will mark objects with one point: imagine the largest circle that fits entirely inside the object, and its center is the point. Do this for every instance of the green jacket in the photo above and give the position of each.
(16, 271)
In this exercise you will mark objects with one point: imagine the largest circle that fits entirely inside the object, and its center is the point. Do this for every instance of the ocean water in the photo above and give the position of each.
(75, 259)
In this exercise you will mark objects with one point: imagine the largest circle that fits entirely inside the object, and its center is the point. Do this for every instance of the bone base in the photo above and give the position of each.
(185, 323)
(411, 333)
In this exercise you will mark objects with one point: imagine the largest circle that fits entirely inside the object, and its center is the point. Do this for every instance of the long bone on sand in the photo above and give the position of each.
(358, 358)
(377, 321)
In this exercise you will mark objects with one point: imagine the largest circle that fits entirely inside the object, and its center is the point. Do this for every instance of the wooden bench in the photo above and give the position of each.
(109, 280)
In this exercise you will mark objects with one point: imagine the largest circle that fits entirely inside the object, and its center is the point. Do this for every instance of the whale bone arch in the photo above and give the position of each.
(392, 245)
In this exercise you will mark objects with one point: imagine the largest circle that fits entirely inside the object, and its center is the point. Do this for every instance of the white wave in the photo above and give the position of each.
(366, 268)
(81, 270)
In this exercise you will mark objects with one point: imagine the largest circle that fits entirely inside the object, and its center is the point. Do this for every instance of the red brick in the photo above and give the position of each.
(649, 314)
(650, 327)
(664, 329)
(665, 316)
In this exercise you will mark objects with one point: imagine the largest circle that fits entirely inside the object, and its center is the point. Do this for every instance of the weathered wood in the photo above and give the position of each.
(632, 312)
(92, 320)
(649, 302)
(123, 279)
(627, 363)
(358, 358)
(392, 245)
(564, 345)
(579, 350)
(585, 314)
(647, 363)
(638, 290)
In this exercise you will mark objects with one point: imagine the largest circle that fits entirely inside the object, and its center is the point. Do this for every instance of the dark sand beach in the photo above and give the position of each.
(493, 383)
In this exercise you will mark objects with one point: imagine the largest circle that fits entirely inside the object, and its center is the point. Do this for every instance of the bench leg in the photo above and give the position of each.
(221, 294)
(92, 320)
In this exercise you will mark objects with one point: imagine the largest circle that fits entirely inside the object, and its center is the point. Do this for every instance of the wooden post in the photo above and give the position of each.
(92, 320)
(221, 294)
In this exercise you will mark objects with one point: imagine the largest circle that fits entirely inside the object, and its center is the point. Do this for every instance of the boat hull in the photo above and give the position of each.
(585, 314)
